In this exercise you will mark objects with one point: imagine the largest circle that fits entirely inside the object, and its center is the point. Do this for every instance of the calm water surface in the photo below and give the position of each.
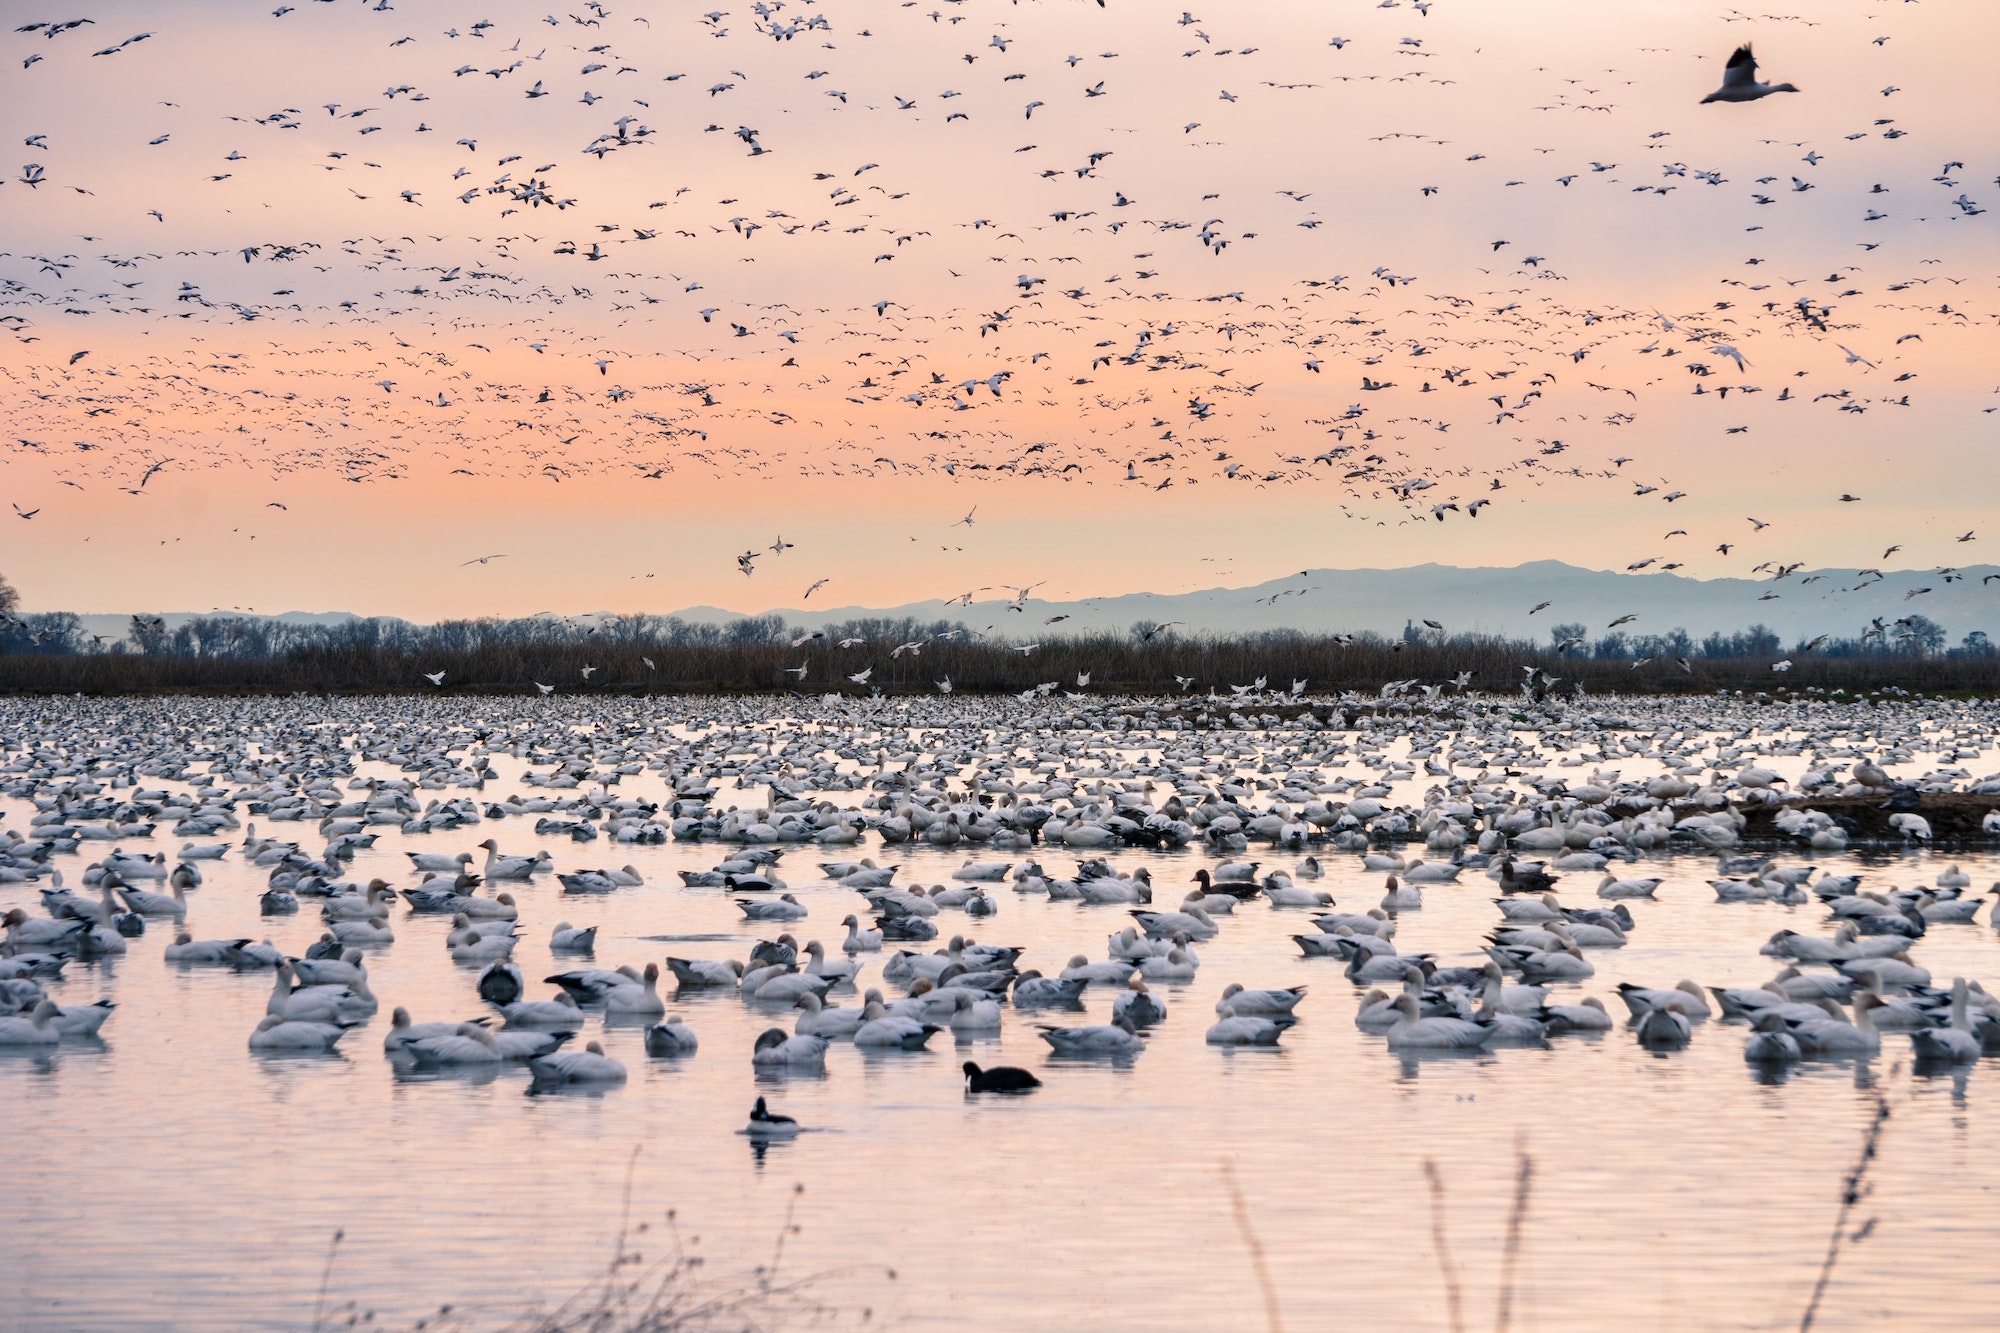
(170, 1179)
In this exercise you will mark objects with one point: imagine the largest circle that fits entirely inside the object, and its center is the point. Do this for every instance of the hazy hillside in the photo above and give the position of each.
(1492, 600)
(1485, 600)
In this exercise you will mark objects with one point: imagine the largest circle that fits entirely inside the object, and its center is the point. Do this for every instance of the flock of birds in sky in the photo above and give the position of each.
(1034, 245)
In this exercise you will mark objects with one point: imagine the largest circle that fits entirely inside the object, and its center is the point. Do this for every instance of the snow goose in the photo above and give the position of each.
(482, 948)
(1528, 911)
(1950, 1045)
(1496, 994)
(368, 930)
(402, 1030)
(500, 907)
(1282, 894)
(1400, 897)
(1137, 1005)
(884, 1031)
(783, 908)
(144, 902)
(1504, 1029)
(844, 971)
(529, 1045)
(1128, 945)
(348, 967)
(558, 1012)
(1685, 998)
(642, 1000)
(1739, 84)
(1412, 1032)
(1612, 887)
(787, 987)
(1032, 990)
(1524, 879)
(1195, 923)
(514, 867)
(1810, 948)
(1663, 1028)
(282, 1034)
(672, 1037)
(21, 965)
(1117, 1038)
(38, 1029)
(591, 984)
(1177, 964)
(1233, 1029)
(587, 1066)
(250, 957)
(1260, 1001)
(703, 973)
(973, 1011)
(314, 1004)
(82, 1020)
(1114, 889)
(1080, 969)
(501, 983)
(566, 938)
(1536, 966)
(372, 903)
(465, 1044)
(1770, 1043)
(1895, 972)
(26, 933)
(817, 1020)
(1587, 1015)
(1834, 1035)
(778, 1049)
(859, 940)
(1365, 968)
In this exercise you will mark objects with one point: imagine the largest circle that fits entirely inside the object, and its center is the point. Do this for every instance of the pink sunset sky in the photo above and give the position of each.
(864, 269)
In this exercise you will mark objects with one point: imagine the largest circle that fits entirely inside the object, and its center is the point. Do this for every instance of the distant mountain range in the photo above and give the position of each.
(1840, 602)
(1493, 601)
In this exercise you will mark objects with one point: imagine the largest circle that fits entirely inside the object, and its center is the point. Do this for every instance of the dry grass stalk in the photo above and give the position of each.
(1272, 1318)
(1454, 1300)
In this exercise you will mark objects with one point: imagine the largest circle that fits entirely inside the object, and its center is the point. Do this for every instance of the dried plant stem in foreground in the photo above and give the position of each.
(1272, 1318)
(1454, 1302)
(674, 1294)
(1853, 1189)
(1517, 1219)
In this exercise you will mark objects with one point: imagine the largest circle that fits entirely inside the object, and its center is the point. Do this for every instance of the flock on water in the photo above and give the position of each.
(1151, 837)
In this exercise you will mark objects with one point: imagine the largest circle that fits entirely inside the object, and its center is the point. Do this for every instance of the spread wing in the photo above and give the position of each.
(1741, 71)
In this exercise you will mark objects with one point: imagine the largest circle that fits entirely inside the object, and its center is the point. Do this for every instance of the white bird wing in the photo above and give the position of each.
(1741, 71)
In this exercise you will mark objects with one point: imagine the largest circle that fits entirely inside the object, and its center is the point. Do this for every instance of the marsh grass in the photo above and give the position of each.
(1273, 1316)
(1855, 1189)
(677, 1292)
(1517, 1222)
